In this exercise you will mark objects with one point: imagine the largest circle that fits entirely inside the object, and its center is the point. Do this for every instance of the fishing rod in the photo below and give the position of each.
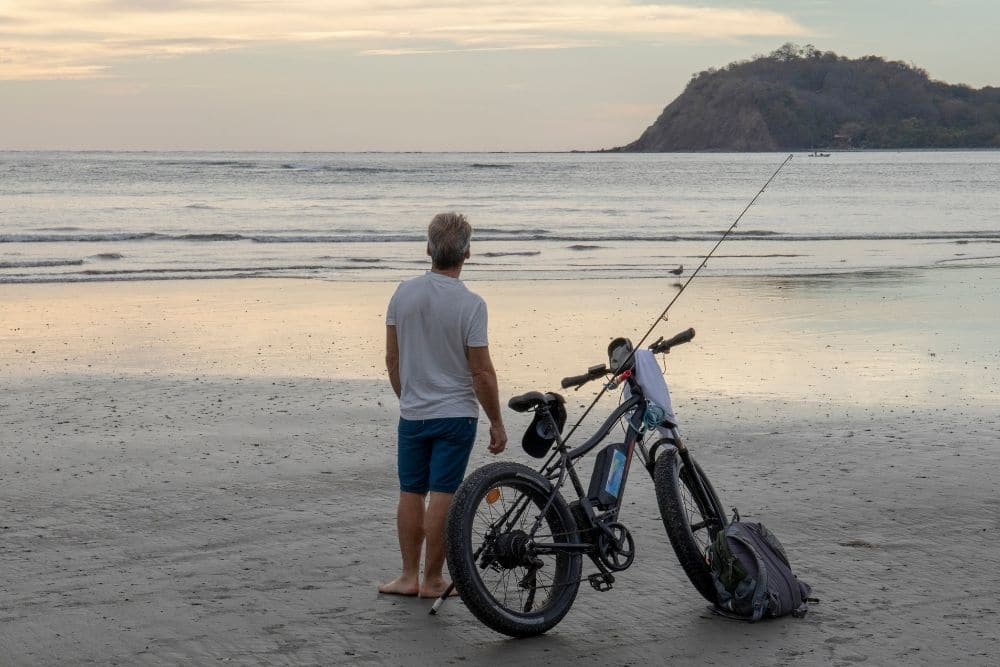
(663, 316)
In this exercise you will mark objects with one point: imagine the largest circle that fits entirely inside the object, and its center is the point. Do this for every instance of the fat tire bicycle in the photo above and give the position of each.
(515, 546)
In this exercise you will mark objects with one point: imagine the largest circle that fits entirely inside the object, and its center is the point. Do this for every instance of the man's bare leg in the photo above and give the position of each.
(410, 517)
(434, 583)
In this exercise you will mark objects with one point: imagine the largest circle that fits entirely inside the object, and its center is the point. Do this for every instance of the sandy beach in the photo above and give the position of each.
(196, 472)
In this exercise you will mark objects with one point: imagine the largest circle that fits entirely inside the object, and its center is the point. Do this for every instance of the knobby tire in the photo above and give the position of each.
(506, 606)
(692, 518)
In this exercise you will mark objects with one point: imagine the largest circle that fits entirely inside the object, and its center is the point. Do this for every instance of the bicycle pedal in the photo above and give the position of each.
(601, 582)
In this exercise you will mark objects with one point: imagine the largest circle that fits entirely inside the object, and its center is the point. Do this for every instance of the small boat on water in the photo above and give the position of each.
(817, 154)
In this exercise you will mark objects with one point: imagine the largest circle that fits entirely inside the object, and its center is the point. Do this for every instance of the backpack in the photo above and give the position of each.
(752, 576)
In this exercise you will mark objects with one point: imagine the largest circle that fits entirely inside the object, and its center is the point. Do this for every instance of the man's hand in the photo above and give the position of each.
(498, 438)
(484, 384)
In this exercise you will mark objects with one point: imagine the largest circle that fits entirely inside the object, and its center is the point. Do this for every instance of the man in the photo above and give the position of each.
(439, 365)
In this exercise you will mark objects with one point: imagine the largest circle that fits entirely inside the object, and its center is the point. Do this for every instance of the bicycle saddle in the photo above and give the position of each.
(540, 434)
(526, 402)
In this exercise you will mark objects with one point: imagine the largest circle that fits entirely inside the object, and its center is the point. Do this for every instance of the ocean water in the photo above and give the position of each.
(73, 217)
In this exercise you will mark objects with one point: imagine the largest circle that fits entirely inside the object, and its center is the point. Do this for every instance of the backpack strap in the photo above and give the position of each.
(807, 598)
(759, 600)
(725, 613)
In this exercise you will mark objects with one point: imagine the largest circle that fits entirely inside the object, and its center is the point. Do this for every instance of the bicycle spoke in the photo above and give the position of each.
(516, 572)
(529, 582)
(500, 580)
(502, 522)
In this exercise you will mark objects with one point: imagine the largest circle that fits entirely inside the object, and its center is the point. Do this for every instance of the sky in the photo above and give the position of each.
(420, 75)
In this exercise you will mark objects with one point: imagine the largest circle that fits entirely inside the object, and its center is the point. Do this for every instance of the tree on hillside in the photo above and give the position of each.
(803, 98)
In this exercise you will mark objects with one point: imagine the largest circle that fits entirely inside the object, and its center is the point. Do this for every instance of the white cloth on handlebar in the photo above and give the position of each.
(653, 384)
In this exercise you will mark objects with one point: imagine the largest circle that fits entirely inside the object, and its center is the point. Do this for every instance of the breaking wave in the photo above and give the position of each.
(581, 241)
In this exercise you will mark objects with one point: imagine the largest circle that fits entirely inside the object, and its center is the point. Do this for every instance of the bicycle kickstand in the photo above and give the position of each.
(440, 600)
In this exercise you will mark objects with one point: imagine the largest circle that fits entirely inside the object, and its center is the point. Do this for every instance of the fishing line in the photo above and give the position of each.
(663, 315)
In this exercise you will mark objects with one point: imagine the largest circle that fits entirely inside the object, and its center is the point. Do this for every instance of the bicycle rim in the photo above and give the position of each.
(501, 528)
(704, 516)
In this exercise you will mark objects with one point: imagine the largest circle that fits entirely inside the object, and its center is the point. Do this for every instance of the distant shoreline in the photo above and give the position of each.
(539, 152)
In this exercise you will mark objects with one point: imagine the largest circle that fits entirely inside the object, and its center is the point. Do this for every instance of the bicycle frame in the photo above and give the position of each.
(560, 466)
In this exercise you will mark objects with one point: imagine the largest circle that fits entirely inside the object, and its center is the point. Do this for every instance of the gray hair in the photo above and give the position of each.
(449, 237)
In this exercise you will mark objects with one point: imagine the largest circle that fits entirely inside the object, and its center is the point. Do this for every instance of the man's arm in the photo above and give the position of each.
(484, 383)
(392, 359)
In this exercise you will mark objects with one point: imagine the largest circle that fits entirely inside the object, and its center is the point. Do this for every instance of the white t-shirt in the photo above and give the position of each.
(436, 318)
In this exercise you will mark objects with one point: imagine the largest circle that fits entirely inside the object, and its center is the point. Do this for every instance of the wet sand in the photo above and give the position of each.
(204, 472)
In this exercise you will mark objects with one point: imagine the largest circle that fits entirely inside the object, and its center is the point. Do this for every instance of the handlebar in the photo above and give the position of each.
(592, 373)
(663, 346)
(659, 347)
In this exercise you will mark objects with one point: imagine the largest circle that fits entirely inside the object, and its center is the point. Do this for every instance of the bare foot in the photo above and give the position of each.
(433, 588)
(400, 586)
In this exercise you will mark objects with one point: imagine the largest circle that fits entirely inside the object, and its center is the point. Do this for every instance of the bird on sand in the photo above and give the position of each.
(678, 271)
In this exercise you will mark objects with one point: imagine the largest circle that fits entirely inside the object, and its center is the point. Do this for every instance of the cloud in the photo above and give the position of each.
(72, 39)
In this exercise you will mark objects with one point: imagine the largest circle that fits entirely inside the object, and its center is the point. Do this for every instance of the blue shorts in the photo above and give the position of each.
(433, 453)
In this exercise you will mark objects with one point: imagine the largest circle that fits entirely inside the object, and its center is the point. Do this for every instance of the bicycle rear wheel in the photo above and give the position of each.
(692, 515)
(491, 536)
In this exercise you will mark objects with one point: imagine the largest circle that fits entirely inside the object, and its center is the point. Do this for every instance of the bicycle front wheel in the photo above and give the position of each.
(692, 515)
(495, 534)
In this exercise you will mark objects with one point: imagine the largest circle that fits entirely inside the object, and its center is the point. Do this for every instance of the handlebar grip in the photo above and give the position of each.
(661, 346)
(682, 337)
(592, 373)
(575, 380)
